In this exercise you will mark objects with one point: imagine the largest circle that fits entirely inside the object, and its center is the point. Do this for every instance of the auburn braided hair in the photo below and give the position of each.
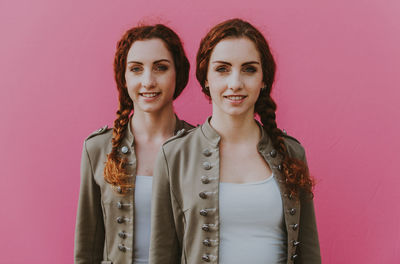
(115, 172)
(295, 172)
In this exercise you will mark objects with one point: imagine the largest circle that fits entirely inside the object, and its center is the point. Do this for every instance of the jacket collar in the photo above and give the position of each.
(210, 133)
(264, 145)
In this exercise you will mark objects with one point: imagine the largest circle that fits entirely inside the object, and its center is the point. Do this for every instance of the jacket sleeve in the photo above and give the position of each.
(89, 229)
(308, 249)
(164, 243)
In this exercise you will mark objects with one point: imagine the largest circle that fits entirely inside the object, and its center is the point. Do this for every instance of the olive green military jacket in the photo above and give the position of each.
(185, 214)
(105, 219)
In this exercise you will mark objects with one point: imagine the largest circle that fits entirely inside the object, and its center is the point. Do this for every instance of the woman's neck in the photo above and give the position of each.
(235, 129)
(154, 126)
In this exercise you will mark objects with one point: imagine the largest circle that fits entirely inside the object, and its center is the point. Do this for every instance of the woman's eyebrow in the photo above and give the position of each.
(155, 62)
(250, 62)
(222, 62)
(135, 62)
(162, 60)
(246, 63)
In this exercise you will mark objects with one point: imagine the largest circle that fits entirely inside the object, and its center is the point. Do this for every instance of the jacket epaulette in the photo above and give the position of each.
(287, 136)
(181, 133)
(99, 131)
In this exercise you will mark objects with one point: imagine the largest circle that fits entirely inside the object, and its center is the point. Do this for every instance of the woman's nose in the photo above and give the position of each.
(148, 80)
(235, 82)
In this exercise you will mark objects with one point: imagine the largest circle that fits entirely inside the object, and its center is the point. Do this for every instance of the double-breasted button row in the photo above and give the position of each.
(206, 258)
(203, 212)
(207, 165)
(295, 243)
(207, 242)
(290, 196)
(205, 227)
(119, 189)
(205, 180)
(273, 153)
(207, 152)
(203, 195)
(120, 205)
(121, 219)
(122, 234)
(123, 248)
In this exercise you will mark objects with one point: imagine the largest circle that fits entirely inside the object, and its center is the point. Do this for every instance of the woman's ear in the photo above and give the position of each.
(206, 83)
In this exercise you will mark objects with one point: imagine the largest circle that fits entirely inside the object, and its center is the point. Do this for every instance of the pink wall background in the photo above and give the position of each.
(337, 90)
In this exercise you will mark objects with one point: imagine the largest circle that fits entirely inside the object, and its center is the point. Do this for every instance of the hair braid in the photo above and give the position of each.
(295, 172)
(114, 171)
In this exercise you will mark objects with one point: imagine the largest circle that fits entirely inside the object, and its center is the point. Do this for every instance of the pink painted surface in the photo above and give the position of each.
(337, 90)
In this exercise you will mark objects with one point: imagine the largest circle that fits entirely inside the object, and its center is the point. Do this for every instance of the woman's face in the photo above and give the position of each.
(150, 75)
(235, 77)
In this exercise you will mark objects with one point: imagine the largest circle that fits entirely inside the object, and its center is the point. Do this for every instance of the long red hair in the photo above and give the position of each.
(115, 172)
(297, 177)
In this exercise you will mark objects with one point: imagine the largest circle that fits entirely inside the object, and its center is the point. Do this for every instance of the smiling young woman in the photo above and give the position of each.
(234, 190)
(113, 219)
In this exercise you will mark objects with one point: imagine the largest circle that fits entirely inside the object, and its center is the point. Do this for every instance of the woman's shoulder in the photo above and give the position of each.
(99, 139)
(294, 146)
(183, 139)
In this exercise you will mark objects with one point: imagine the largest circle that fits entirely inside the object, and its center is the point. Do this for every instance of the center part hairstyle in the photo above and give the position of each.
(297, 177)
(114, 170)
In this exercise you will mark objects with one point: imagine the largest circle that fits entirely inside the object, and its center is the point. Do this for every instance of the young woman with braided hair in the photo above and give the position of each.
(234, 190)
(113, 220)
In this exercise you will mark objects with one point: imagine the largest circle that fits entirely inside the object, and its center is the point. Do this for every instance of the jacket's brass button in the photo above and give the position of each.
(203, 195)
(206, 165)
(204, 179)
(205, 258)
(124, 149)
(207, 152)
(120, 220)
(292, 211)
(205, 228)
(121, 247)
(295, 243)
(203, 212)
(207, 242)
(280, 167)
(122, 234)
(273, 153)
(294, 226)
(119, 189)
(293, 256)
(119, 205)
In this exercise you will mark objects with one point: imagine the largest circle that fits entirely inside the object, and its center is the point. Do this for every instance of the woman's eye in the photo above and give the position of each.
(136, 69)
(250, 69)
(161, 68)
(222, 69)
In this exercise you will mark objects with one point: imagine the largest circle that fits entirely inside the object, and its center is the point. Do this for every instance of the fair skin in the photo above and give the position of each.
(150, 78)
(235, 78)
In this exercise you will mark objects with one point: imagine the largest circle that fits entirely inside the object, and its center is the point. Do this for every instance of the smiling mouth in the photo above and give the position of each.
(235, 97)
(149, 95)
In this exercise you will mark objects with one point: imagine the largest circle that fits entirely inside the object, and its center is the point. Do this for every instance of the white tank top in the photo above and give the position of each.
(251, 223)
(143, 186)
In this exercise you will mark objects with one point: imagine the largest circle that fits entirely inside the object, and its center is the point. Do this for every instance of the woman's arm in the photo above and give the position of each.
(89, 229)
(164, 243)
(308, 249)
